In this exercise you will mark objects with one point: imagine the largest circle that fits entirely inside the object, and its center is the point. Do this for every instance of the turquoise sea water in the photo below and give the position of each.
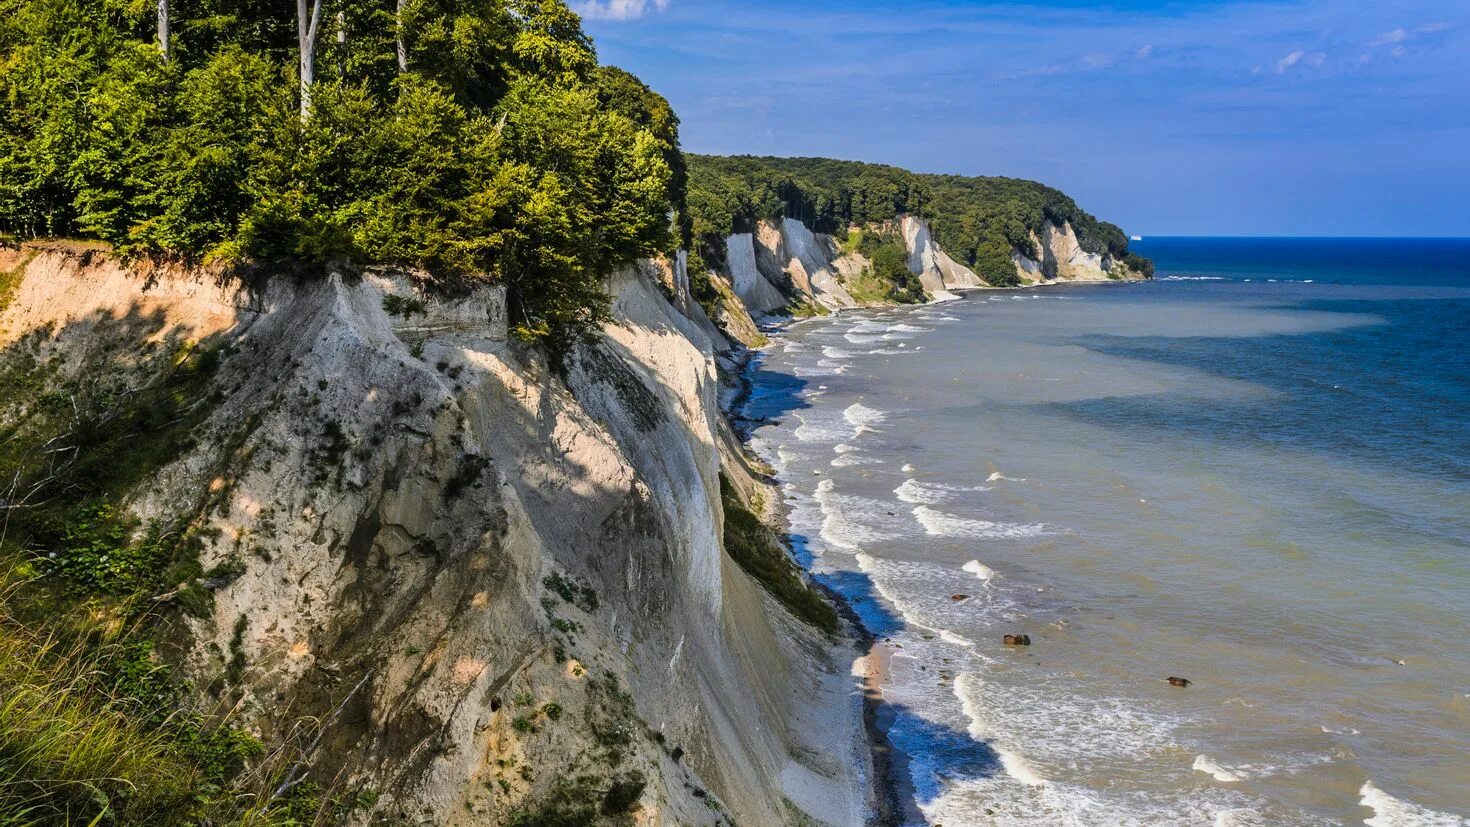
(1253, 472)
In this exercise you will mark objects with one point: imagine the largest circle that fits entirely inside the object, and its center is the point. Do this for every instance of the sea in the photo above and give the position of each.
(1252, 473)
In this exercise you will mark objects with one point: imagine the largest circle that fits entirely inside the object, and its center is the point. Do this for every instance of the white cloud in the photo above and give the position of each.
(619, 9)
(1144, 52)
(1395, 36)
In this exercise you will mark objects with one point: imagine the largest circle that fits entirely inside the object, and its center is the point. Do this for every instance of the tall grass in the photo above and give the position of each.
(70, 753)
(77, 749)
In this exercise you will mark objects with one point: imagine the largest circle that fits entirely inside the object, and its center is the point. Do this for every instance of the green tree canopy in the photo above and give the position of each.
(501, 152)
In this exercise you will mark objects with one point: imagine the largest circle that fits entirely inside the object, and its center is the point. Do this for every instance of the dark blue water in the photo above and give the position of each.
(1396, 393)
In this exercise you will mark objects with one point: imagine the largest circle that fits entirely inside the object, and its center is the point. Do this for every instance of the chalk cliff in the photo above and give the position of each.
(783, 265)
(486, 580)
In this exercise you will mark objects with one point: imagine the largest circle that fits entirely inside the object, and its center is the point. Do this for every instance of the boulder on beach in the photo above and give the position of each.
(1179, 682)
(1017, 640)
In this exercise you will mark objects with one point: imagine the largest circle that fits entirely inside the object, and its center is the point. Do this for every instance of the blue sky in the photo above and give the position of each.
(1314, 117)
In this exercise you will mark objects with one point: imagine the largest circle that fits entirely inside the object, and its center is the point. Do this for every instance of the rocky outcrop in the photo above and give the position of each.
(819, 271)
(1063, 259)
(938, 272)
(466, 560)
(760, 295)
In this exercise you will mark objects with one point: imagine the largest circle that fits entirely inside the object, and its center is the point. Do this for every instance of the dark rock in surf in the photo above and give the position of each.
(1179, 682)
(1017, 640)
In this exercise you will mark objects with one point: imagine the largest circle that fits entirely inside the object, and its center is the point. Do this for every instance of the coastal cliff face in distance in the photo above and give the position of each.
(443, 578)
(812, 235)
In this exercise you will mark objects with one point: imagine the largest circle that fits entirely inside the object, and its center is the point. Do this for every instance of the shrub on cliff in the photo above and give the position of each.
(757, 549)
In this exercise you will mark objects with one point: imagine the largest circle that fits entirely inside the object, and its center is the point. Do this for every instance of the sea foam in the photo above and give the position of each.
(1395, 812)
(939, 524)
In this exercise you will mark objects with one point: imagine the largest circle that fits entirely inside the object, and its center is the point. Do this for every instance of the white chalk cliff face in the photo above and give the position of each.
(1064, 258)
(818, 272)
(400, 495)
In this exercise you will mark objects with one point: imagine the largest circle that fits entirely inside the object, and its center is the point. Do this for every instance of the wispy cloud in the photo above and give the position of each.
(1300, 58)
(619, 9)
(1401, 35)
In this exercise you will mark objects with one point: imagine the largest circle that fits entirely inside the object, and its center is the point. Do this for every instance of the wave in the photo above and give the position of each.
(980, 570)
(820, 427)
(1395, 812)
(843, 525)
(967, 689)
(1193, 278)
(939, 524)
(998, 477)
(862, 418)
(832, 352)
(932, 493)
(819, 370)
(1205, 764)
(909, 328)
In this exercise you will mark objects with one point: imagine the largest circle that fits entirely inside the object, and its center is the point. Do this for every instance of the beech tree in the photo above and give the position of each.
(402, 47)
(308, 26)
(163, 29)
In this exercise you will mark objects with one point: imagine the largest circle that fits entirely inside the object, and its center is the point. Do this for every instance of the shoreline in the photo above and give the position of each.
(894, 796)
(892, 788)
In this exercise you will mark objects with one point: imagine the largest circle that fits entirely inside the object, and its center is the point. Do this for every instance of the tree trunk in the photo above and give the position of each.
(402, 48)
(307, 26)
(163, 29)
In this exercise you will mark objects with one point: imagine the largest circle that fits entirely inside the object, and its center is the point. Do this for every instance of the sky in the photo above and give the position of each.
(1214, 117)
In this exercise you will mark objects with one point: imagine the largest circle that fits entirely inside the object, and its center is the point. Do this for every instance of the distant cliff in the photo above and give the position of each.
(803, 232)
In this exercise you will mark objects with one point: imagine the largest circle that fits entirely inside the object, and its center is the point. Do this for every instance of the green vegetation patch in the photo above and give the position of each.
(10, 279)
(758, 550)
(887, 278)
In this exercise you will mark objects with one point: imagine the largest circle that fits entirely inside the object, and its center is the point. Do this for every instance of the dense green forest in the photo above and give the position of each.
(476, 139)
(977, 220)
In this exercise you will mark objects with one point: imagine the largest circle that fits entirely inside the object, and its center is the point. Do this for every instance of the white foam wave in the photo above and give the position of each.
(1389, 811)
(998, 477)
(908, 328)
(932, 493)
(862, 418)
(907, 468)
(837, 353)
(967, 689)
(1205, 764)
(939, 524)
(843, 518)
(819, 426)
(980, 570)
(1192, 278)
